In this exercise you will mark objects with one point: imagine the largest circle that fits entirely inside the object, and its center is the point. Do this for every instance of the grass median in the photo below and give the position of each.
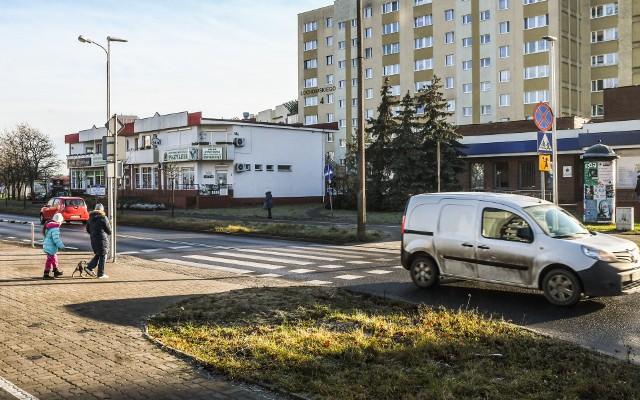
(328, 343)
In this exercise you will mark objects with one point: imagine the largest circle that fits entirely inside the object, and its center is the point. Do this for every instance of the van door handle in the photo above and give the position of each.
(467, 245)
(483, 247)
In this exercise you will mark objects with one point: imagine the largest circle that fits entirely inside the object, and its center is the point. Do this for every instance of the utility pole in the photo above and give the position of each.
(362, 198)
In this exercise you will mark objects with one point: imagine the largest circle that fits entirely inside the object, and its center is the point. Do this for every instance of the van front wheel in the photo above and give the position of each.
(561, 287)
(424, 272)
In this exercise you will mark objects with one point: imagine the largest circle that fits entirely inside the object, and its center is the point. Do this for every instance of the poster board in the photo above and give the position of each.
(599, 192)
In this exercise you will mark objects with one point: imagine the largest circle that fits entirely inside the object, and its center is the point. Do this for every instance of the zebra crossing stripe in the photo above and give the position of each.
(302, 271)
(349, 277)
(262, 258)
(124, 253)
(324, 250)
(287, 254)
(15, 391)
(378, 271)
(317, 282)
(180, 247)
(237, 262)
(202, 265)
(378, 250)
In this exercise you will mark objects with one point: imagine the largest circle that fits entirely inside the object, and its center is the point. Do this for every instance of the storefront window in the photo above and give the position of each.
(501, 175)
(477, 176)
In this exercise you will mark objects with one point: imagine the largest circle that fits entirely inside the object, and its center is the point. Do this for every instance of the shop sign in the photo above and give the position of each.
(180, 155)
(212, 153)
(79, 162)
(98, 161)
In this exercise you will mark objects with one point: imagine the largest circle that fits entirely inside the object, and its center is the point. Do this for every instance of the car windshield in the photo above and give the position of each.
(74, 202)
(555, 221)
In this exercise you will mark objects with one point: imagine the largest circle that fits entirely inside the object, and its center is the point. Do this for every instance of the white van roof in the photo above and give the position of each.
(504, 198)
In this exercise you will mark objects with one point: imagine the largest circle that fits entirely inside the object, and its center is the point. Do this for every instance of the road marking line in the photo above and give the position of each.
(269, 276)
(202, 265)
(236, 262)
(302, 271)
(359, 262)
(349, 277)
(261, 258)
(332, 251)
(15, 391)
(150, 250)
(378, 271)
(316, 282)
(180, 247)
(124, 253)
(287, 254)
(330, 266)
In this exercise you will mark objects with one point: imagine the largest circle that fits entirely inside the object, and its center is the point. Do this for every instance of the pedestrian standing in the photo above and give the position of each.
(99, 229)
(51, 244)
(268, 203)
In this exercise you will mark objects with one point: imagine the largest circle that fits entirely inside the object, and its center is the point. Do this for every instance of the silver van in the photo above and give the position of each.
(517, 241)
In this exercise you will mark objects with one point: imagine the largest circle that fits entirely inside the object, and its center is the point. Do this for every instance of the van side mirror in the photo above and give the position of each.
(525, 234)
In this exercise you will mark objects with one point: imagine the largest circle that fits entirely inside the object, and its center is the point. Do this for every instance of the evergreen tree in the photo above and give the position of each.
(434, 129)
(378, 154)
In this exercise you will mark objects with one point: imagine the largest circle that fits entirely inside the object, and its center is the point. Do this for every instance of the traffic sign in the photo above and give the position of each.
(544, 143)
(328, 172)
(544, 162)
(114, 126)
(543, 116)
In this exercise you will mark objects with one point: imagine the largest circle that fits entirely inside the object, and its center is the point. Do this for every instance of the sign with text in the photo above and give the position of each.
(189, 154)
(212, 153)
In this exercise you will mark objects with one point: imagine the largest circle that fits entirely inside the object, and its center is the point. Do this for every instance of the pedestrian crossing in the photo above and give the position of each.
(313, 264)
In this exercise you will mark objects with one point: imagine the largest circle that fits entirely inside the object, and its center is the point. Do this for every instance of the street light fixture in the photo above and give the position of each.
(111, 178)
(556, 112)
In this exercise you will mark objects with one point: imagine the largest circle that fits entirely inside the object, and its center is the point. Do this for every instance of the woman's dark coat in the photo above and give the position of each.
(99, 230)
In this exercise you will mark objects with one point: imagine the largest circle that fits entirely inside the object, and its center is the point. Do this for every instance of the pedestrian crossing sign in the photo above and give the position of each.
(544, 145)
(545, 162)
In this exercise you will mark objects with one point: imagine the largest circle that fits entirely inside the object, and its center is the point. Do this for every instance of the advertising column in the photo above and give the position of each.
(599, 185)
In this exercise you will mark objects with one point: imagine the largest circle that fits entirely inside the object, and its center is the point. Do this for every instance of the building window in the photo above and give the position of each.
(449, 82)
(448, 37)
(466, 42)
(505, 75)
(485, 15)
(503, 27)
(329, 117)
(354, 42)
(330, 98)
(485, 110)
(597, 110)
(486, 38)
(342, 123)
(526, 175)
(467, 88)
(449, 60)
(329, 60)
(329, 21)
(310, 119)
(466, 65)
(604, 35)
(422, 85)
(485, 86)
(368, 52)
(367, 32)
(354, 101)
(330, 79)
(421, 2)
(536, 96)
(270, 167)
(466, 19)
(341, 64)
(537, 21)
(390, 48)
(604, 10)
(367, 12)
(476, 173)
(424, 42)
(599, 85)
(536, 71)
(536, 46)
(354, 23)
(311, 101)
(310, 45)
(505, 51)
(311, 82)
(393, 27)
(451, 105)
(394, 90)
(391, 69)
(343, 142)
(604, 60)
(448, 15)
(501, 178)
(504, 100)
(329, 137)
(467, 111)
(526, 2)
(368, 73)
(368, 113)
(503, 4)
(368, 93)
(424, 20)
(342, 103)
(342, 44)
(329, 41)
(284, 168)
(390, 7)
(342, 25)
(421, 65)
(310, 26)
(485, 62)
(342, 84)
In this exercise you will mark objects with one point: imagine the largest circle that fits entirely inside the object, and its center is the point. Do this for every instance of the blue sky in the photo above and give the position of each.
(219, 57)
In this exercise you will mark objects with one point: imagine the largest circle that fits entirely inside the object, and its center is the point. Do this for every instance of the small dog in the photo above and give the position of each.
(80, 268)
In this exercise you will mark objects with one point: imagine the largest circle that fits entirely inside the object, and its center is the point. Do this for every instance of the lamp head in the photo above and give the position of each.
(115, 39)
(84, 39)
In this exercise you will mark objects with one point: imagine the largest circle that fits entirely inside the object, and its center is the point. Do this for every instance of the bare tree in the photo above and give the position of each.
(171, 171)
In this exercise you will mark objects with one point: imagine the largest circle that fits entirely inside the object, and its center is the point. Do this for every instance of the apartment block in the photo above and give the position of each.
(491, 56)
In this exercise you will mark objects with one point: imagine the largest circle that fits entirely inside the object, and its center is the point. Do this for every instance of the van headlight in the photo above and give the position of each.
(598, 254)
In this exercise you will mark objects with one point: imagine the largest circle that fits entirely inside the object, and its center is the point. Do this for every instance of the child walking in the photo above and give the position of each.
(51, 244)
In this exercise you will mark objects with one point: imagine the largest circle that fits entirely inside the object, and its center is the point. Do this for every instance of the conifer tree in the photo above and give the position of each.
(378, 154)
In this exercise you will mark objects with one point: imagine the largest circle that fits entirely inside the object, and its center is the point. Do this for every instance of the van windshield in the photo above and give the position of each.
(555, 221)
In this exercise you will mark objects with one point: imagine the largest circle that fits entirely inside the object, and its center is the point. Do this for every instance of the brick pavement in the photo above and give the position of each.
(82, 338)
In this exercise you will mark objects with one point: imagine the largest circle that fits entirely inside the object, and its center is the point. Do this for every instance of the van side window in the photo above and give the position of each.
(502, 225)
(458, 219)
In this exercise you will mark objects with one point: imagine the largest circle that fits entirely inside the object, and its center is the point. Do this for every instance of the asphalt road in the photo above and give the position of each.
(610, 324)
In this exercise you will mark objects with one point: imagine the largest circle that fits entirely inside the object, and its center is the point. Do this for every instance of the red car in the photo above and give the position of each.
(71, 208)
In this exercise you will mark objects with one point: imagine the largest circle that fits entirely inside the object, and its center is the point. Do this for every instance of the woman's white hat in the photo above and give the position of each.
(57, 217)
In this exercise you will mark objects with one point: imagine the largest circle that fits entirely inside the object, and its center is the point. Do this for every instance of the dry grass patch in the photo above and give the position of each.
(328, 343)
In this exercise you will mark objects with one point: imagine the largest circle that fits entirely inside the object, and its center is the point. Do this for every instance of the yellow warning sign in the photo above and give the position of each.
(545, 162)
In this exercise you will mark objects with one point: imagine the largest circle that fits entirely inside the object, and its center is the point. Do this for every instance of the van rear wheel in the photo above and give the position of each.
(424, 272)
(561, 287)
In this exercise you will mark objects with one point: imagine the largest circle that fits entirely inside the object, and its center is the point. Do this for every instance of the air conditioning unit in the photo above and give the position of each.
(238, 142)
(240, 167)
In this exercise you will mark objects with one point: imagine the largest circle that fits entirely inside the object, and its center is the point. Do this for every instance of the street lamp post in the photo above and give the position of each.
(556, 112)
(111, 177)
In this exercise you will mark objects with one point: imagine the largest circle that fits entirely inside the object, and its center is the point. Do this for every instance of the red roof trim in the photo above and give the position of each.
(72, 138)
(193, 119)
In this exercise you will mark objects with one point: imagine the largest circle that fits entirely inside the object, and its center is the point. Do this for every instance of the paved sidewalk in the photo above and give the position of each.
(82, 338)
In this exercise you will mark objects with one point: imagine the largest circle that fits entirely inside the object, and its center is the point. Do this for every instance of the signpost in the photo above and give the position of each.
(328, 175)
(114, 126)
(543, 118)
